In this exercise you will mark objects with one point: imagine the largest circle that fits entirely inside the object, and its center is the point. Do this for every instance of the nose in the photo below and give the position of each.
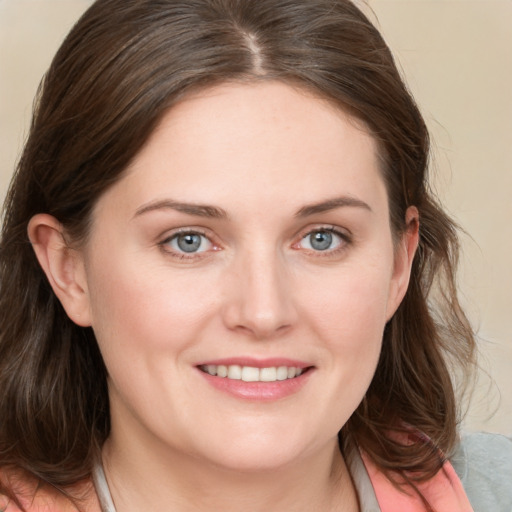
(259, 299)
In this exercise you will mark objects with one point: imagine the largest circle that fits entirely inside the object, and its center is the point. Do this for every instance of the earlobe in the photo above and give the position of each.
(404, 256)
(62, 265)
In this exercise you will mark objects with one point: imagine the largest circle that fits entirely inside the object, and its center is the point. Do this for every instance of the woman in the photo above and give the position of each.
(238, 291)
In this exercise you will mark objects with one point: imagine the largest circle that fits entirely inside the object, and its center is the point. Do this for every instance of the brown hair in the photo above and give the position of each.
(124, 64)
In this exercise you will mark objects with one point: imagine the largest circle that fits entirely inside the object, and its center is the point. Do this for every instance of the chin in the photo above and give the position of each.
(254, 461)
(262, 452)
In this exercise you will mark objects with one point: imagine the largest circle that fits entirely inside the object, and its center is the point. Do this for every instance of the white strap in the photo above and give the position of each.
(101, 485)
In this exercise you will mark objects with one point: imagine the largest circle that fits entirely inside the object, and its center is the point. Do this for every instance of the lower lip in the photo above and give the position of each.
(258, 391)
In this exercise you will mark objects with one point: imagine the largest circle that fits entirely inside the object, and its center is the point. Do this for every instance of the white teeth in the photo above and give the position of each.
(222, 371)
(282, 373)
(268, 374)
(252, 374)
(234, 372)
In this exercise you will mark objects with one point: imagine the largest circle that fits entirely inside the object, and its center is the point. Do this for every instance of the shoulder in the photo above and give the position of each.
(35, 496)
(483, 463)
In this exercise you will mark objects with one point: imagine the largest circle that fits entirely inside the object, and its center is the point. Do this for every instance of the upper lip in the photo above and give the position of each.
(256, 362)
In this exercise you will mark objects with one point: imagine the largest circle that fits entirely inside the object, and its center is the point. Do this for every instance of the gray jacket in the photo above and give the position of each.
(482, 461)
(484, 465)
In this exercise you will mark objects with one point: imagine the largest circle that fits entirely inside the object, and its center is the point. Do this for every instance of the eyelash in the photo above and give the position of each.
(164, 244)
(345, 240)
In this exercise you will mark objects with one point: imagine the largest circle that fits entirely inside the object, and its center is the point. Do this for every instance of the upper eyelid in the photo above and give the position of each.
(342, 236)
(165, 242)
(167, 235)
(346, 240)
(343, 232)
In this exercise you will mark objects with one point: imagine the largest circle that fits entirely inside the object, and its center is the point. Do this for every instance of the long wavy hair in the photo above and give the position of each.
(122, 67)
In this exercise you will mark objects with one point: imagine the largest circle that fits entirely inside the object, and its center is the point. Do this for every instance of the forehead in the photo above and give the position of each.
(267, 143)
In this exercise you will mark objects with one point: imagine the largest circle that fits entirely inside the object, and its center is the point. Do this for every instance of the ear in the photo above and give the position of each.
(62, 265)
(404, 256)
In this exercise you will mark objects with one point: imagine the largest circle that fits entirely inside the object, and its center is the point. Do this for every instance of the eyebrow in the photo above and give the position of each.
(332, 204)
(199, 210)
(214, 212)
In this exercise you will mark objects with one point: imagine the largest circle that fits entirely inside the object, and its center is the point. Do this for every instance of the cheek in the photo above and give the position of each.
(349, 318)
(355, 333)
(352, 308)
(145, 324)
(145, 309)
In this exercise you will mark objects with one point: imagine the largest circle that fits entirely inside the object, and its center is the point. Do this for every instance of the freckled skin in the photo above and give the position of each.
(257, 287)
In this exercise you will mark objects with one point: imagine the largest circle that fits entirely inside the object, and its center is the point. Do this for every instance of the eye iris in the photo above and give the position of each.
(189, 242)
(321, 240)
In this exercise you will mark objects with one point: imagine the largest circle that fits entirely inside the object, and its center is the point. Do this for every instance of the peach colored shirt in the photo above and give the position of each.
(444, 492)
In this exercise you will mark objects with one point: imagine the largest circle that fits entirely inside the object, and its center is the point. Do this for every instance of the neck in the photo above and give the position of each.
(139, 480)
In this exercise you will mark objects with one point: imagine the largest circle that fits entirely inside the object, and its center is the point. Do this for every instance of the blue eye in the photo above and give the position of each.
(322, 240)
(189, 243)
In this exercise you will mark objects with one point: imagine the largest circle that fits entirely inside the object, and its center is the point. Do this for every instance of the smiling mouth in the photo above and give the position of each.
(252, 374)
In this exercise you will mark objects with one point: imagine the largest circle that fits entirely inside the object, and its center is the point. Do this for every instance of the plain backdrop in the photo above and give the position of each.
(457, 59)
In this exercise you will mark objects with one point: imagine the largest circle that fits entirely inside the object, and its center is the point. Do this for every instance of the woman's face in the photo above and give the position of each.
(249, 237)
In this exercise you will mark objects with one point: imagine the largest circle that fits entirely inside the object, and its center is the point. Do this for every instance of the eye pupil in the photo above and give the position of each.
(189, 242)
(321, 240)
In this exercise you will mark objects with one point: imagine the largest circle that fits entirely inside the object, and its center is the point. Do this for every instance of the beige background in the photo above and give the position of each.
(457, 57)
